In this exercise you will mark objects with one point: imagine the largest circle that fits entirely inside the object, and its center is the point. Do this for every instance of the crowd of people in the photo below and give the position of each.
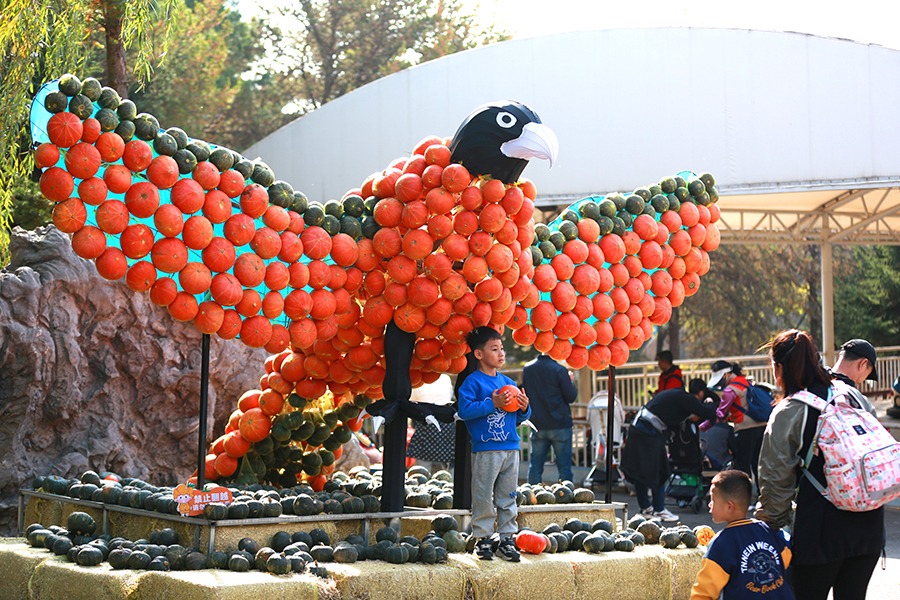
(799, 544)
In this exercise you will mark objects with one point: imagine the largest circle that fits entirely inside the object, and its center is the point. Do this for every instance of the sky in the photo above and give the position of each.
(869, 21)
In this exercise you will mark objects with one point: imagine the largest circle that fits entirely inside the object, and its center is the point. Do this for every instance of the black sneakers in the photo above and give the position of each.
(507, 550)
(484, 550)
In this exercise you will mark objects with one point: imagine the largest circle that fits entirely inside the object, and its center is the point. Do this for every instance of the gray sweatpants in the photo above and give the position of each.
(495, 476)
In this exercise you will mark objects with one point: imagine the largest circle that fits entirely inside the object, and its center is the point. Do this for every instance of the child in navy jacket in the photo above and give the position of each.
(747, 559)
(495, 444)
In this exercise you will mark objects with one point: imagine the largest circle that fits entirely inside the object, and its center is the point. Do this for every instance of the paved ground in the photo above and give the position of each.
(885, 584)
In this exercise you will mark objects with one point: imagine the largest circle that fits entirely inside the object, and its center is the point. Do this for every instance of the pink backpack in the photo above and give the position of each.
(862, 459)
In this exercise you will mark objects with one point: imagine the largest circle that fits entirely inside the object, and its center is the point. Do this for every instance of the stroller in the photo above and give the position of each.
(686, 484)
(596, 416)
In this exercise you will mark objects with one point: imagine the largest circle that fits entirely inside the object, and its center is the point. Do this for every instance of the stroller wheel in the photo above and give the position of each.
(696, 504)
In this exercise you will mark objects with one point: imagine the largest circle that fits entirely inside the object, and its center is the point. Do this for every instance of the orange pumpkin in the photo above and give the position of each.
(531, 542)
(46, 155)
(254, 425)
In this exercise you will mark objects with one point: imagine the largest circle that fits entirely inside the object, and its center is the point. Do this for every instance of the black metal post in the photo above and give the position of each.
(462, 468)
(394, 465)
(397, 387)
(204, 404)
(610, 428)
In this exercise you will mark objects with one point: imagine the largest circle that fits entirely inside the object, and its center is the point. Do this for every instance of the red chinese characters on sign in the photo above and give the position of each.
(191, 502)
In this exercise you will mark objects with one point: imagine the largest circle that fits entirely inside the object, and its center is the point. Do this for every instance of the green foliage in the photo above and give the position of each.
(39, 41)
(750, 293)
(30, 208)
(201, 77)
(327, 48)
(867, 294)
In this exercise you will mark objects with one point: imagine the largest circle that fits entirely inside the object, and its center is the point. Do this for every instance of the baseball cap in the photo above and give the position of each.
(719, 369)
(862, 349)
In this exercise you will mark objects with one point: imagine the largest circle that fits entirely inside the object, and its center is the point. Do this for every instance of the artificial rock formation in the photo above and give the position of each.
(95, 376)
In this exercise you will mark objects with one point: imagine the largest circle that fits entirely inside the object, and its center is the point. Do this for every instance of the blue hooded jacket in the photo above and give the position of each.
(491, 428)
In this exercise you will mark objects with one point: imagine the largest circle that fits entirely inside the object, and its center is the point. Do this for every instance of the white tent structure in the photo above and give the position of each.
(800, 131)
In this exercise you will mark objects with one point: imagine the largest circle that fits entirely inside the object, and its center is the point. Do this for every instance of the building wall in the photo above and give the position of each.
(761, 110)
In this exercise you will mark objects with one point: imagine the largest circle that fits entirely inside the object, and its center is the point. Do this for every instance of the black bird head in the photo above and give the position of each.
(497, 139)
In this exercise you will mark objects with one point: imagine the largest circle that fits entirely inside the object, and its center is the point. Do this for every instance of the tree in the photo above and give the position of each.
(867, 294)
(197, 84)
(326, 48)
(41, 40)
(749, 293)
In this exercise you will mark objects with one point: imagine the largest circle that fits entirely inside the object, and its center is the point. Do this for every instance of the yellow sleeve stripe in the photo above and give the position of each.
(710, 581)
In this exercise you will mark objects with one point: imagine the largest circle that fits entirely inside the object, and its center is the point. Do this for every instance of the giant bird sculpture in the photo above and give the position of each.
(367, 297)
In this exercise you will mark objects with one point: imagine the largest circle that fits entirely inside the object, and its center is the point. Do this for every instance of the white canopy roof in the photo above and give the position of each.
(800, 131)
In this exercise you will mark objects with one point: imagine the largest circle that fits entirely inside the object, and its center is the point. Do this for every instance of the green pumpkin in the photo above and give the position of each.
(603, 525)
(427, 553)
(563, 494)
(689, 539)
(387, 533)
(443, 501)
(319, 537)
(594, 543)
(443, 523)
(455, 541)
(544, 497)
(345, 553)
(215, 511)
(418, 500)
(353, 505)
(218, 560)
(651, 532)
(37, 537)
(159, 564)
(238, 563)
(89, 556)
(278, 564)
(576, 525)
(670, 539)
(322, 553)
(195, 561)
(396, 555)
(80, 523)
(583, 496)
(139, 560)
(624, 544)
(577, 540)
(561, 540)
(118, 558)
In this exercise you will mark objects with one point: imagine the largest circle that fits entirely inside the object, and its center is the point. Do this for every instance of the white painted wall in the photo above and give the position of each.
(761, 110)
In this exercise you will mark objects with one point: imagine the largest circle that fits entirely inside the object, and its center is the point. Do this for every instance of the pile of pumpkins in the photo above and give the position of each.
(285, 553)
(357, 491)
(303, 551)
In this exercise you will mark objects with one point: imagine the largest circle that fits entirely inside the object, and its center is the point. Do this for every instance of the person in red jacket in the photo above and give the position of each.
(670, 376)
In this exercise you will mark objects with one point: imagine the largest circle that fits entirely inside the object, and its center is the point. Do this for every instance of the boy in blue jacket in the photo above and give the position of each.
(747, 559)
(495, 444)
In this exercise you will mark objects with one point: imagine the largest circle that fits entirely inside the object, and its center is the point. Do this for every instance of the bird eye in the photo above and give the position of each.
(506, 120)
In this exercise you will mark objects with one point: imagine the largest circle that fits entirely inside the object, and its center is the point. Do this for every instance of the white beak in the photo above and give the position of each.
(537, 141)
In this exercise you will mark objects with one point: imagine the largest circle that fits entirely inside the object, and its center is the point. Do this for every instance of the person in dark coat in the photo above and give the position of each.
(551, 391)
(644, 459)
(834, 550)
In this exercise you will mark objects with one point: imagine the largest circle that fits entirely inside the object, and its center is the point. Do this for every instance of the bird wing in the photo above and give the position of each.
(426, 245)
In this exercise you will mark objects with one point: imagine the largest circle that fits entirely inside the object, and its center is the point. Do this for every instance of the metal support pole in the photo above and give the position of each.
(462, 468)
(204, 401)
(610, 428)
(393, 494)
(827, 270)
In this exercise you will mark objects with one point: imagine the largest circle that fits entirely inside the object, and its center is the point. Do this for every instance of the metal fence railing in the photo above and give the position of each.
(635, 381)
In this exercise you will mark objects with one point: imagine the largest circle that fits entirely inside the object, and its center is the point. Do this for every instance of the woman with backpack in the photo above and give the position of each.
(748, 433)
(833, 549)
